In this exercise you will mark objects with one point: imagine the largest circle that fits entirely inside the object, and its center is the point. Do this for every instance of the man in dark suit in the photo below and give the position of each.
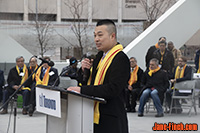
(16, 77)
(151, 50)
(108, 79)
(71, 70)
(32, 67)
(165, 57)
(134, 85)
(155, 83)
(45, 75)
(196, 61)
(181, 73)
(1, 85)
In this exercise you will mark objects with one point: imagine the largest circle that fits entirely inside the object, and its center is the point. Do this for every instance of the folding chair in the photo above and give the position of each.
(196, 77)
(184, 87)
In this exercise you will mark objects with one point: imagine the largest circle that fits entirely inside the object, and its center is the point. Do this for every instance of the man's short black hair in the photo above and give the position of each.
(111, 27)
(105, 22)
(162, 42)
(161, 38)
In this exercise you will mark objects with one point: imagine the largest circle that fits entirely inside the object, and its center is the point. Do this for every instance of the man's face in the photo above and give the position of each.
(103, 40)
(133, 63)
(170, 46)
(153, 65)
(45, 65)
(20, 62)
(181, 63)
(162, 47)
(33, 62)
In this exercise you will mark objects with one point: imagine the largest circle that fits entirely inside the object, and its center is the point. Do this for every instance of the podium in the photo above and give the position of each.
(76, 111)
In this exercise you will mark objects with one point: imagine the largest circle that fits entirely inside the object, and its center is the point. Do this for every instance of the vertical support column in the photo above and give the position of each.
(25, 10)
(119, 11)
(90, 12)
(58, 11)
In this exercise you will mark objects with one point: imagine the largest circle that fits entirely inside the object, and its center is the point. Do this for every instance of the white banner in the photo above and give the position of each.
(48, 102)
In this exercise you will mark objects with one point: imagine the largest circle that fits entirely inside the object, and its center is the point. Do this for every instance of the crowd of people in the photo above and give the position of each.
(113, 76)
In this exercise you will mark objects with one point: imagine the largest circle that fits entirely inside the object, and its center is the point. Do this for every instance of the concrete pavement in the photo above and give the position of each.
(37, 123)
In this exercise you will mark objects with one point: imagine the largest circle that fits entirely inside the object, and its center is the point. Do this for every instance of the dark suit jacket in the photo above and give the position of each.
(187, 74)
(113, 117)
(15, 79)
(196, 61)
(158, 80)
(52, 78)
(137, 85)
(168, 61)
(1, 78)
(149, 54)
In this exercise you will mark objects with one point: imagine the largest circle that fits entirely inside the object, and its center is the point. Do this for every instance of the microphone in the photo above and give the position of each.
(86, 71)
(50, 63)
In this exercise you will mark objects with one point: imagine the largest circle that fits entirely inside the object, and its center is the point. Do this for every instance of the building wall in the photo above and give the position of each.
(100, 9)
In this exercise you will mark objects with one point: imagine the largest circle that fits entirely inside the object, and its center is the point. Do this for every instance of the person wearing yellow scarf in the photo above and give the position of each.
(151, 50)
(165, 57)
(197, 61)
(182, 72)
(16, 77)
(155, 83)
(33, 66)
(109, 77)
(45, 75)
(134, 85)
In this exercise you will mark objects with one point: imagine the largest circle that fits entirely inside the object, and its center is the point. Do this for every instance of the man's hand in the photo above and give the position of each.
(86, 63)
(15, 87)
(173, 80)
(76, 89)
(130, 87)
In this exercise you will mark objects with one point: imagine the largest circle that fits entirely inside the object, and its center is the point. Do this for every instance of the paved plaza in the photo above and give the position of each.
(37, 123)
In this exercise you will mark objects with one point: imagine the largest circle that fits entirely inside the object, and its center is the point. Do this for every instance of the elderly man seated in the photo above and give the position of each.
(181, 73)
(155, 83)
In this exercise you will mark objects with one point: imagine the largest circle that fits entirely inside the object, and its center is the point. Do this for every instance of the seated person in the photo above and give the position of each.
(32, 66)
(71, 70)
(134, 86)
(45, 75)
(16, 77)
(155, 83)
(181, 73)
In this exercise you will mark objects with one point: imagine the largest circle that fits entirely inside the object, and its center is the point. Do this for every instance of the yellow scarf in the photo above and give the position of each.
(162, 54)
(180, 74)
(153, 71)
(24, 77)
(45, 79)
(134, 77)
(33, 76)
(199, 66)
(101, 72)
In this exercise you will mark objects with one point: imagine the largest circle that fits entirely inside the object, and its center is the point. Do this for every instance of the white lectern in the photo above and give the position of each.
(76, 112)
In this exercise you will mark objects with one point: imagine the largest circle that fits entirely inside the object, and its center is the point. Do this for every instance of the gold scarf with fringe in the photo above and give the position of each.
(134, 77)
(45, 79)
(24, 77)
(101, 72)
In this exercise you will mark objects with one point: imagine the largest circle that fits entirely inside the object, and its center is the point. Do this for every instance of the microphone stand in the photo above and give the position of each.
(13, 97)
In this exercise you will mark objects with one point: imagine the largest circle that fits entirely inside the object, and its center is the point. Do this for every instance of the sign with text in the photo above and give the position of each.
(48, 102)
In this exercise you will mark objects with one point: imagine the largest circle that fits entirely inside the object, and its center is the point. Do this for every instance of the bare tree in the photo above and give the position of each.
(78, 24)
(154, 9)
(43, 29)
